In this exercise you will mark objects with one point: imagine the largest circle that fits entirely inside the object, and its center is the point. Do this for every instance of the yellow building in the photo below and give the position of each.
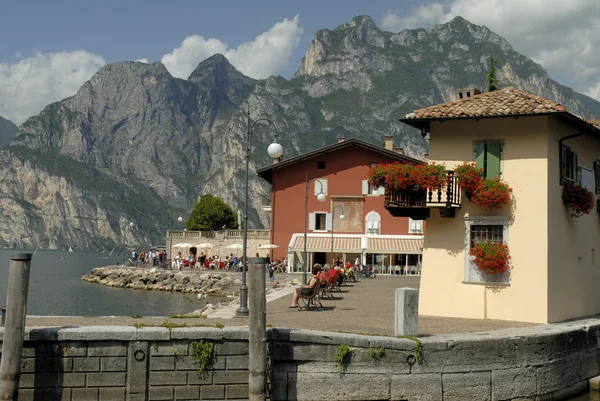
(538, 147)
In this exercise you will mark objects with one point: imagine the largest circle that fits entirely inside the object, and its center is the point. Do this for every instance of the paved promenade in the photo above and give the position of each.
(364, 307)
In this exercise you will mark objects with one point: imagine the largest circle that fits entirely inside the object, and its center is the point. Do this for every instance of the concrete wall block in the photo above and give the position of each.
(282, 366)
(197, 333)
(235, 377)
(187, 393)
(74, 348)
(301, 386)
(169, 348)
(45, 380)
(54, 394)
(324, 337)
(212, 392)
(85, 394)
(278, 387)
(152, 334)
(195, 378)
(235, 333)
(113, 364)
(236, 362)
(105, 379)
(423, 387)
(513, 383)
(187, 363)
(28, 350)
(107, 348)
(112, 394)
(30, 395)
(537, 350)
(236, 391)
(467, 386)
(467, 356)
(27, 365)
(91, 364)
(231, 348)
(160, 393)
(590, 364)
(167, 378)
(559, 375)
(162, 363)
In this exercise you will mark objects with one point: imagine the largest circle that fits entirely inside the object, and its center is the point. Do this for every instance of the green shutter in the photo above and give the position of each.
(493, 159)
(480, 155)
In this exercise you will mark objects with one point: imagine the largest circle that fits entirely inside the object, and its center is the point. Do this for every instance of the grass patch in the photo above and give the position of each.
(137, 316)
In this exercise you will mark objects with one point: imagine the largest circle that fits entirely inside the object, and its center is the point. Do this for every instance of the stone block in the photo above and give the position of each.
(513, 383)
(542, 349)
(232, 348)
(407, 312)
(198, 333)
(160, 393)
(417, 387)
(152, 334)
(236, 391)
(112, 394)
(236, 362)
(169, 348)
(113, 364)
(282, 366)
(105, 379)
(54, 394)
(107, 348)
(30, 395)
(85, 394)
(74, 348)
(301, 386)
(195, 378)
(91, 364)
(235, 377)
(28, 350)
(45, 380)
(559, 375)
(212, 392)
(594, 384)
(279, 390)
(27, 365)
(138, 360)
(167, 378)
(467, 386)
(187, 393)
(162, 363)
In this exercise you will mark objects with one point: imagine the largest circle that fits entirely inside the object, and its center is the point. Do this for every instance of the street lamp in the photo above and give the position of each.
(275, 151)
(321, 198)
(342, 217)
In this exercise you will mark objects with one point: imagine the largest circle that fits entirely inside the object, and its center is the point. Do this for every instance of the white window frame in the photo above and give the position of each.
(318, 187)
(372, 213)
(472, 275)
(369, 189)
(312, 222)
(415, 226)
(587, 179)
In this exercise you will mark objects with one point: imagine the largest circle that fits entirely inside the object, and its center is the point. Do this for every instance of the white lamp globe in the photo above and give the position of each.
(275, 150)
(321, 197)
(180, 219)
(131, 224)
(342, 217)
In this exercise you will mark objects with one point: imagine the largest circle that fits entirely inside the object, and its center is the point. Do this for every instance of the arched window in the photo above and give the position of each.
(373, 223)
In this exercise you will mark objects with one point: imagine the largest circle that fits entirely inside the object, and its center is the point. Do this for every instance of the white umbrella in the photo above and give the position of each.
(268, 246)
(183, 245)
(235, 246)
(205, 245)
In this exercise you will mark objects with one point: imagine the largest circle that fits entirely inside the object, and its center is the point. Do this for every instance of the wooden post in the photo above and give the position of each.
(257, 324)
(16, 308)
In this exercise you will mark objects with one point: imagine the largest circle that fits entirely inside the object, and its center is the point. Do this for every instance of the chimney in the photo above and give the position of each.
(340, 139)
(467, 92)
(389, 142)
(398, 150)
(426, 156)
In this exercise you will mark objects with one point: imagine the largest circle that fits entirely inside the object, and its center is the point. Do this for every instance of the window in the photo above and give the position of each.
(319, 221)
(368, 189)
(586, 178)
(597, 176)
(489, 228)
(322, 185)
(320, 165)
(415, 226)
(487, 157)
(373, 223)
(568, 165)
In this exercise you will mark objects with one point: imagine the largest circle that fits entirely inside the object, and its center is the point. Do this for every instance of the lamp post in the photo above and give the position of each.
(321, 198)
(342, 217)
(275, 151)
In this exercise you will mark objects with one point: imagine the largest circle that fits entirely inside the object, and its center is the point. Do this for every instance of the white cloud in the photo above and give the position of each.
(268, 54)
(564, 37)
(31, 83)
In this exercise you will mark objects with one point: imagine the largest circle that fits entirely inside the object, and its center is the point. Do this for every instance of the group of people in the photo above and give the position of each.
(150, 258)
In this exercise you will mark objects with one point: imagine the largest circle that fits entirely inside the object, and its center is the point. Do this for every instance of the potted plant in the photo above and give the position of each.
(579, 199)
(490, 257)
(429, 176)
(376, 175)
(491, 193)
(469, 177)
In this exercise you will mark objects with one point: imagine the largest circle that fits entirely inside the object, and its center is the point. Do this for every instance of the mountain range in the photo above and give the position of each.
(136, 145)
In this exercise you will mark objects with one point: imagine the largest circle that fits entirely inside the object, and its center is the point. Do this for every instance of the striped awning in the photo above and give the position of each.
(323, 244)
(395, 245)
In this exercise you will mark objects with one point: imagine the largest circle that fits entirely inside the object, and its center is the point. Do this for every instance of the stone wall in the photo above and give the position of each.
(127, 363)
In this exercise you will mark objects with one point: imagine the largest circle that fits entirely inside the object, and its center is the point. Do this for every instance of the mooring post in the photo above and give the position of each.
(407, 312)
(257, 324)
(14, 328)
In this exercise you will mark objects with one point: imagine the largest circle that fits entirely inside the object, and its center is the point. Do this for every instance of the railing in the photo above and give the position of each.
(447, 196)
(226, 234)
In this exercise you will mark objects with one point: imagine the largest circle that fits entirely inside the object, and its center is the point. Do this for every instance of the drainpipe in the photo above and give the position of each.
(560, 144)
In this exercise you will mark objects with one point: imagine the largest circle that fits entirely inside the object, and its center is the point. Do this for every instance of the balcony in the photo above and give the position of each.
(418, 204)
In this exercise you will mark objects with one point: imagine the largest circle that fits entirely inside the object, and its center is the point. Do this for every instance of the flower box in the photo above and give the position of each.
(490, 257)
(579, 199)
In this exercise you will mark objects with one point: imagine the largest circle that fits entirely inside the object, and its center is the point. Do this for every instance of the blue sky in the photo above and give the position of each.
(50, 48)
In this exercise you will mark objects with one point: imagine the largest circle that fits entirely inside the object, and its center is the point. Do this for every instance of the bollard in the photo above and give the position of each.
(16, 307)
(407, 312)
(257, 325)
(2, 316)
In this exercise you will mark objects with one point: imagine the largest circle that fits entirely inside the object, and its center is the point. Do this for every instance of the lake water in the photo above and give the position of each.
(56, 288)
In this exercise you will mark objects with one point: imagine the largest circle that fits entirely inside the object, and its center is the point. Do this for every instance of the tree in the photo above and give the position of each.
(211, 214)
(492, 81)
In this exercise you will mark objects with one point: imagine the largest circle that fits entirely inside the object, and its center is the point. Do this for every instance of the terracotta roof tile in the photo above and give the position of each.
(595, 123)
(507, 101)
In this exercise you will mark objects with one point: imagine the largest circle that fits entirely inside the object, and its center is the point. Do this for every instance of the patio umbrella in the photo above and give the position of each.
(235, 246)
(183, 245)
(205, 245)
(268, 246)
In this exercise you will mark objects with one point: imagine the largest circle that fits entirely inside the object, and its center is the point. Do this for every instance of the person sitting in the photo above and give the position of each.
(306, 289)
